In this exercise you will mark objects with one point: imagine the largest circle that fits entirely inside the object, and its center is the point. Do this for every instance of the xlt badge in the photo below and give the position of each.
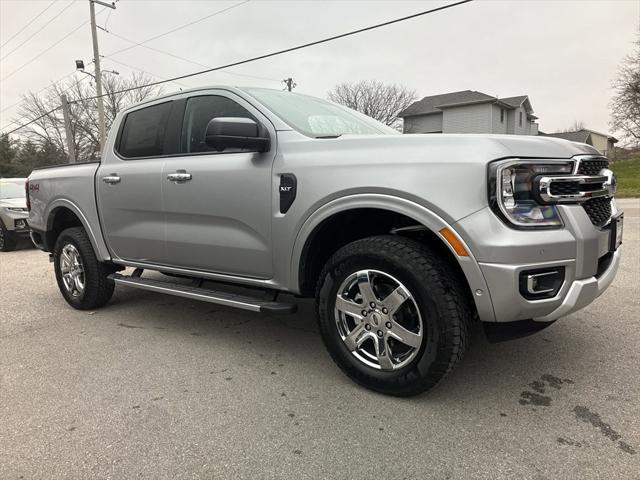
(288, 184)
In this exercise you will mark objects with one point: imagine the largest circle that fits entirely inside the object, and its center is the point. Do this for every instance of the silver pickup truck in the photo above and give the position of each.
(404, 240)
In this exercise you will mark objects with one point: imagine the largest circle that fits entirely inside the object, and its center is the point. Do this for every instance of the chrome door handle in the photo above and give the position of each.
(179, 176)
(111, 179)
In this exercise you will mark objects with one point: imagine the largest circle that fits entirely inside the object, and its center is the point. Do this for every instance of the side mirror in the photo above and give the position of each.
(235, 132)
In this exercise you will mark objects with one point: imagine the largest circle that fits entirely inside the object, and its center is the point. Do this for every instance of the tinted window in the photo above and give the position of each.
(144, 130)
(198, 112)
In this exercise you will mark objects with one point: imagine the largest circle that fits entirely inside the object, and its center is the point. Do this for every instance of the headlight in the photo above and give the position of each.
(511, 192)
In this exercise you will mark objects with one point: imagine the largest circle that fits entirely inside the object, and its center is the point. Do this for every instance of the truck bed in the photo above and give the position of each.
(57, 188)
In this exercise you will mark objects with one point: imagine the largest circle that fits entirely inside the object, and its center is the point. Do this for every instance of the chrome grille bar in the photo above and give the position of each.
(588, 186)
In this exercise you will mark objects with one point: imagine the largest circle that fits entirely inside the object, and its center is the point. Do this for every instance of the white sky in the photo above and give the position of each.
(563, 54)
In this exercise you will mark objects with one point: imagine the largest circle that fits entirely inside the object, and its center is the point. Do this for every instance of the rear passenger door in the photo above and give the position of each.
(220, 219)
(129, 183)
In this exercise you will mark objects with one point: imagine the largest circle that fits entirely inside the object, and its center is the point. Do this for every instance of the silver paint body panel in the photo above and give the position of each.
(225, 223)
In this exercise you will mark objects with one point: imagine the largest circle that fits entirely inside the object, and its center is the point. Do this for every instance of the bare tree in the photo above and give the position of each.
(625, 105)
(47, 130)
(375, 99)
(575, 126)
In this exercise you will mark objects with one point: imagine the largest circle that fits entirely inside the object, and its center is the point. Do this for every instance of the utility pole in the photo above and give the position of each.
(96, 60)
(290, 84)
(67, 129)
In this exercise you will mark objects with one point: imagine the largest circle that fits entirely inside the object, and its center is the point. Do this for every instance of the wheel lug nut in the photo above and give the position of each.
(388, 324)
(380, 333)
(364, 313)
(385, 311)
(372, 304)
(367, 327)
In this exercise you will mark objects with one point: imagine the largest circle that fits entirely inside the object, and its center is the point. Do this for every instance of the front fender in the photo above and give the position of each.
(420, 214)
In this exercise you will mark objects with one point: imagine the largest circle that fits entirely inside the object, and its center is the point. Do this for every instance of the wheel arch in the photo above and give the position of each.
(317, 240)
(63, 214)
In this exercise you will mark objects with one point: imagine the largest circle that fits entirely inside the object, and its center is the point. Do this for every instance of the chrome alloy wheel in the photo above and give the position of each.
(378, 320)
(72, 270)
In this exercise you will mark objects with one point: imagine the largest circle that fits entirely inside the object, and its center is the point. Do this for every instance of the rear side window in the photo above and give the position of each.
(198, 112)
(143, 132)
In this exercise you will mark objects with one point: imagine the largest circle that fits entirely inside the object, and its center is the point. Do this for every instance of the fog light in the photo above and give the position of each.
(20, 224)
(541, 283)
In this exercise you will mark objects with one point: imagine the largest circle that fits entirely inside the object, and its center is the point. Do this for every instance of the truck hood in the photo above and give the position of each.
(485, 148)
(445, 173)
(13, 202)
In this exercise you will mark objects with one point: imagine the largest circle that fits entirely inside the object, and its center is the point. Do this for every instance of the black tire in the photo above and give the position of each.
(8, 240)
(439, 294)
(98, 289)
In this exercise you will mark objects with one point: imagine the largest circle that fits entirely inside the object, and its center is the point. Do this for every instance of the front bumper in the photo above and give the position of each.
(22, 233)
(582, 292)
(16, 222)
(503, 253)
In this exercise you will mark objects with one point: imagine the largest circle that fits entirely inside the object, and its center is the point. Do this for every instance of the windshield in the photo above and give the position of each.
(318, 118)
(11, 190)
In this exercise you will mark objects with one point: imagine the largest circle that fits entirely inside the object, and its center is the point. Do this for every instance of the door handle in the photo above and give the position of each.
(180, 176)
(111, 179)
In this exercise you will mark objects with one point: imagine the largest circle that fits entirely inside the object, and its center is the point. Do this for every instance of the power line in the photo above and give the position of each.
(80, 80)
(268, 55)
(106, 22)
(45, 51)
(179, 28)
(39, 91)
(30, 22)
(135, 44)
(144, 71)
(304, 45)
(40, 29)
(50, 46)
(163, 52)
(35, 119)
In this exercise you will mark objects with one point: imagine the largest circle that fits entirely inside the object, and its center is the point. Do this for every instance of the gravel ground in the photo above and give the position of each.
(153, 386)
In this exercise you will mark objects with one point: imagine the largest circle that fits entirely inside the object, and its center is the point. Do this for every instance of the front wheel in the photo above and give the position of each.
(393, 315)
(82, 279)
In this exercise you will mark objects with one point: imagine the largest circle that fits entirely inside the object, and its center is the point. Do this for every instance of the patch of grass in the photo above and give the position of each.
(628, 175)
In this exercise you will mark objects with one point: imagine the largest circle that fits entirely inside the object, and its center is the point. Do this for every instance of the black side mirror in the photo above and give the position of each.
(235, 132)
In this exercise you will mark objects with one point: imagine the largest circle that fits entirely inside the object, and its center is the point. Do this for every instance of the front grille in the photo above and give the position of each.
(592, 166)
(599, 210)
(564, 188)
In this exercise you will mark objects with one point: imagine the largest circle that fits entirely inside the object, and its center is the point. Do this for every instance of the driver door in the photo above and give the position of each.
(218, 212)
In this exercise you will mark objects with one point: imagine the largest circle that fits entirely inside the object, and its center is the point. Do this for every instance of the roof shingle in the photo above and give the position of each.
(581, 136)
(514, 101)
(430, 104)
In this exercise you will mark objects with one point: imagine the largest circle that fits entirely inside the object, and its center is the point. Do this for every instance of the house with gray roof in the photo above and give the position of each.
(600, 141)
(469, 111)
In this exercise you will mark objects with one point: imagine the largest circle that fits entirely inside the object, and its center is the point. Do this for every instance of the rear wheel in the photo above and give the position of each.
(8, 239)
(393, 315)
(82, 279)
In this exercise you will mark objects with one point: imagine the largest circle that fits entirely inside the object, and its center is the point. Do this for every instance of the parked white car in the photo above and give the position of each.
(13, 212)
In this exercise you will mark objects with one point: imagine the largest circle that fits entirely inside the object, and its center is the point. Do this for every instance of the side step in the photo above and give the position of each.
(205, 295)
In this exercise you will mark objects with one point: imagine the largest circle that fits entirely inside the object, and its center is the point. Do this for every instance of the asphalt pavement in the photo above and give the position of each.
(153, 386)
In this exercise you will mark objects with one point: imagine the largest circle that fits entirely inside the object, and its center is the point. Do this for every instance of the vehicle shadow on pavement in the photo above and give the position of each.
(486, 369)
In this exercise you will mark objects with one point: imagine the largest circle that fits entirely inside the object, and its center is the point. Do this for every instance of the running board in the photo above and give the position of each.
(243, 302)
